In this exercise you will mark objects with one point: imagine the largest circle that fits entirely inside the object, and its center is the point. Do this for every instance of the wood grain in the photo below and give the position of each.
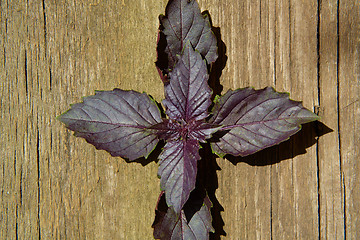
(349, 112)
(331, 208)
(56, 186)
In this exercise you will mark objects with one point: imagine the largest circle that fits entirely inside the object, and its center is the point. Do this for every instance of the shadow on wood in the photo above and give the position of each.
(296, 145)
(219, 64)
(207, 178)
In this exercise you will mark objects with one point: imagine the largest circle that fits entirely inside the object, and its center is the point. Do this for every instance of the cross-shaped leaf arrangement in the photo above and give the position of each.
(129, 124)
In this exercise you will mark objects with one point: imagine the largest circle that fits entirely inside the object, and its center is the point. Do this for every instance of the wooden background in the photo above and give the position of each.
(56, 186)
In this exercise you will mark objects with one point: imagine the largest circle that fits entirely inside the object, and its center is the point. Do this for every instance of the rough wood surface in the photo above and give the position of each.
(56, 186)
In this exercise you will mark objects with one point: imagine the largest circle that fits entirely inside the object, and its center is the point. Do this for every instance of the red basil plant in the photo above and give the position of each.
(129, 124)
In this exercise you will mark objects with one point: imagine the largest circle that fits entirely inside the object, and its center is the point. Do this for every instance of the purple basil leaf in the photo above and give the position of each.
(184, 22)
(256, 119)
(177, 169)
(116, 121)
(200, 223)
(187, 97)
(170, 225)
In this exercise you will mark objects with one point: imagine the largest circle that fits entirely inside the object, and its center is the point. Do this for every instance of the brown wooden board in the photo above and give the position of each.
(56, 186)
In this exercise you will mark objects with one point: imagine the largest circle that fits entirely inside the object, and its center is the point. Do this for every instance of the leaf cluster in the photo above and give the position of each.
(128, 124)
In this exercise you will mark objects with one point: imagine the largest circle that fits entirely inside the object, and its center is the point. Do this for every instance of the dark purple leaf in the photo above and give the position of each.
(177, 169)
(187, 97)
(200, 223)
(184, 22)
(117, 121)
(256, 119)
(170, 225)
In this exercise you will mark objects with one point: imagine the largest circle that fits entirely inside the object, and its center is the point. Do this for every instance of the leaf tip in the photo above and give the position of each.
(308, 116)
(61, 117)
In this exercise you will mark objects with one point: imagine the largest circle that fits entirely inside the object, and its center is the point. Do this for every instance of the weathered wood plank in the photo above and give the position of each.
(20, 187)
(244, 190)
(331, 201)
(296, 178)
(268, 44)
(100, 45)
(56, 186)
(349, 110)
